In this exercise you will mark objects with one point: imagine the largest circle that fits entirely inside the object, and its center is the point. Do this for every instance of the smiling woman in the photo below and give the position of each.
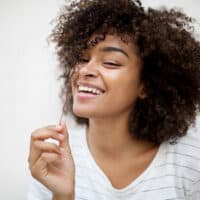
(103, 67)
(132, 79)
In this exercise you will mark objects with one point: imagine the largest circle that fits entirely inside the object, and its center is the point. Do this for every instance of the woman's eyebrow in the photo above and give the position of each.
(108, 49)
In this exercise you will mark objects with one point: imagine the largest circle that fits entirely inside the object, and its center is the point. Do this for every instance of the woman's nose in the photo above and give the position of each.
(89, 68)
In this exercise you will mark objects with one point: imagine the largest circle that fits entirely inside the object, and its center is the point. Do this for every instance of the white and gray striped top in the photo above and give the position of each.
(174, 174)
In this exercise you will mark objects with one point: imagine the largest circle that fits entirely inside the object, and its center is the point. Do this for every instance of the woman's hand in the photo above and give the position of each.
(52, 164)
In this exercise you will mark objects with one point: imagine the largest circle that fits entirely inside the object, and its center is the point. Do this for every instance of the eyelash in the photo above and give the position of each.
(114, 64)
(82, 60)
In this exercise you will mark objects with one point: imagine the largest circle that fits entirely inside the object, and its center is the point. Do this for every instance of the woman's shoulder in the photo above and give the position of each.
(190, 143)
(184, 155)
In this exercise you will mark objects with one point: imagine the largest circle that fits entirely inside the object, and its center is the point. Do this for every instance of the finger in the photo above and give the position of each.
(44, 133)
(40, 169)
(40, 147)
(37, 146)
(46, 146)
(55, 127)
(49, 157)
(65, 142)
(66, 153)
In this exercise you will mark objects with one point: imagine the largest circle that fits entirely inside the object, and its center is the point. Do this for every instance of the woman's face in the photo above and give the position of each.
(108, 80)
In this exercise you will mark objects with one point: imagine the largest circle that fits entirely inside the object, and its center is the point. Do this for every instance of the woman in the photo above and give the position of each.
(132, 78)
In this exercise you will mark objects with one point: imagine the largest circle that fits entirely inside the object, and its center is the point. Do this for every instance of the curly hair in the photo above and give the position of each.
(168, 49)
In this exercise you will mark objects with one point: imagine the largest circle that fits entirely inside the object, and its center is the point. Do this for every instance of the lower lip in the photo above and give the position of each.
(86, 96)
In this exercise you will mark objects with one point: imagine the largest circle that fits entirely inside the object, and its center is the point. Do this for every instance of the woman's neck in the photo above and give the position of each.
(112, 138)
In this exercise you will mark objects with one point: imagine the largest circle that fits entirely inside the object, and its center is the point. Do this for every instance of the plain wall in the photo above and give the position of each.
(29, 89)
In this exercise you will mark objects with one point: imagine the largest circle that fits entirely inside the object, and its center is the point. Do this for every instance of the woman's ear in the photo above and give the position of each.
(142, 94)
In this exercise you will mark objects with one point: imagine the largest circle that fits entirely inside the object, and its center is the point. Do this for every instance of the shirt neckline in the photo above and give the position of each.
(155, 160)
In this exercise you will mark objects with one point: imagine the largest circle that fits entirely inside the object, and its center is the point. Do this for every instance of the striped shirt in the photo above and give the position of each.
(173, 174)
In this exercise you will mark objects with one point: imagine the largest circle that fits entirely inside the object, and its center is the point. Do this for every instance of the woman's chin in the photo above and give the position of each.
(81, 113)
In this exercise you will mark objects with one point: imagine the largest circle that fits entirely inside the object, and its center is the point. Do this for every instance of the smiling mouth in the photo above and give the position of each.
(90, 90)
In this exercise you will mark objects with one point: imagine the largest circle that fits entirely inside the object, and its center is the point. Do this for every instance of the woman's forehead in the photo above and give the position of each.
(109, 36)
(113, 40)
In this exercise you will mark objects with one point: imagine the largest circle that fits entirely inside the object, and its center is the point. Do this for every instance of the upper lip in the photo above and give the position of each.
(80, 83)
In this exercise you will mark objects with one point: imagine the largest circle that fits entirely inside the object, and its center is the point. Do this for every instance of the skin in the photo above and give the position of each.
(108, 114)
(97, 69)
(123, 159)
(52, 164)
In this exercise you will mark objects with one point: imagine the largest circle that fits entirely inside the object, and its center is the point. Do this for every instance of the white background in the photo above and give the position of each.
(28, 86)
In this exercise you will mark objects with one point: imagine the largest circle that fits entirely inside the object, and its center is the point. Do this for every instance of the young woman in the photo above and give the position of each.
(132, 77)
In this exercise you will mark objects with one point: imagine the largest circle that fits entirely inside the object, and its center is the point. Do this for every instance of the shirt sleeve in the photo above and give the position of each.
(196, 184)
(37, 191)
(196, 190)
(194, 132)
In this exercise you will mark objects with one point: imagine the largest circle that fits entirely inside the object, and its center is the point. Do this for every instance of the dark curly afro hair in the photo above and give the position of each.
(169, 51)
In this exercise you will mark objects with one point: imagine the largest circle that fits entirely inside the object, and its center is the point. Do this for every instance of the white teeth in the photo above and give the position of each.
(88, 89)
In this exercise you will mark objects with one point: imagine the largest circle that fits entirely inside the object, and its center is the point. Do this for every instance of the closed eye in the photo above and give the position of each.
(83, 60)
(113, 64)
